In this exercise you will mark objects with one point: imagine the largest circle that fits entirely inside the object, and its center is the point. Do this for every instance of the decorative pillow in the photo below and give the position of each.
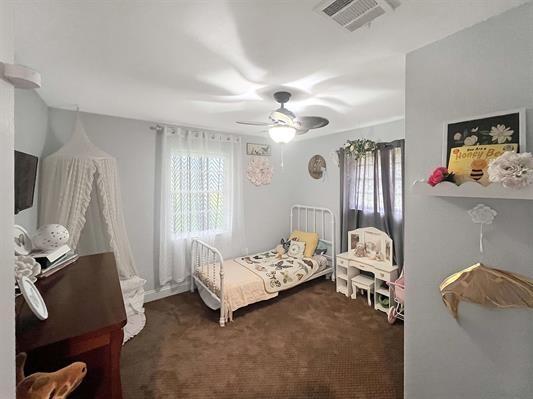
(321, 248)
(297, 248)
(310, 239)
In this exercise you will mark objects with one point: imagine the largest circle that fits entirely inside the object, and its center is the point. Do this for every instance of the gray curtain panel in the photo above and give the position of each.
(372, 193)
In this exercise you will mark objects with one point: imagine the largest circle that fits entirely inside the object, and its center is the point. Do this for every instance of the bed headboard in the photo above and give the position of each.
(317, 220)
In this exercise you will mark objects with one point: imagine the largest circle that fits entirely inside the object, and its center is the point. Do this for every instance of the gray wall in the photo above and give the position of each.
(135, 147)
(488, 353)
(326, 192)
(7, 299)
(42, 131)
(31, 128)
(266, 208)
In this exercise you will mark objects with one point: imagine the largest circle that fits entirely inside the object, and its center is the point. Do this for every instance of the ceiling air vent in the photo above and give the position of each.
(353, 14)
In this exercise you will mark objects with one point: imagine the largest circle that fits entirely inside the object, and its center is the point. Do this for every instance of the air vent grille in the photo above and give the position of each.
(336, 6)
(353, 14)
(365, 19)
(354, 11)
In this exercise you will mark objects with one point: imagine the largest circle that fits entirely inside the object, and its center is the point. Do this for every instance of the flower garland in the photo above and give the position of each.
(358, 148)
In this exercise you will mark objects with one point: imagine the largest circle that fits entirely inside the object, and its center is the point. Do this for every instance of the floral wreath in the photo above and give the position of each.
(358, 148)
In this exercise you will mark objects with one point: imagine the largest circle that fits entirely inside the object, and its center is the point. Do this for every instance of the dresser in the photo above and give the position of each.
(86, 317)
(372, 271)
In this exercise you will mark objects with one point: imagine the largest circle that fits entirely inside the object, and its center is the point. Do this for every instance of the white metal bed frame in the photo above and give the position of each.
(205, 257)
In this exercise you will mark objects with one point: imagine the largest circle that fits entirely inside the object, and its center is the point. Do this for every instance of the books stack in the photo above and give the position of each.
(54, 260)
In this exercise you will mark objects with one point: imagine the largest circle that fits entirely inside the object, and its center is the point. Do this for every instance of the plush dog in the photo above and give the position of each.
(56, 385)
(286, 243)
(282, 248)
(280, 251)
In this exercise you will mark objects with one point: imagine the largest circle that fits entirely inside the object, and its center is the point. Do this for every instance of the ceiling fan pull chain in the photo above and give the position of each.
(281, 155)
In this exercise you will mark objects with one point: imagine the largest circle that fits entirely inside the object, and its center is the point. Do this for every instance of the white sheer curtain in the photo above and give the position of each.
(201, 196)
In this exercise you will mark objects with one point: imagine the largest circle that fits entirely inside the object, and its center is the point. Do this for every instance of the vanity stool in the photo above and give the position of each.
(363, 282)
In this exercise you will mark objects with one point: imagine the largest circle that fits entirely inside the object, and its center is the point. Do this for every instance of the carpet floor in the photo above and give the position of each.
(308, 343)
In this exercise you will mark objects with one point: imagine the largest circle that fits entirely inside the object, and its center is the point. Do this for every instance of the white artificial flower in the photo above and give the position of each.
(471, 140)
(259, 171)
(474, 130)
(501, 133)
(482, 214)
(457, 136)
(26, 266)
(512, 170)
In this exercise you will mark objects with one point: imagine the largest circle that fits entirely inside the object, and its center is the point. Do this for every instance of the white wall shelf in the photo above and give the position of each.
(471, 190)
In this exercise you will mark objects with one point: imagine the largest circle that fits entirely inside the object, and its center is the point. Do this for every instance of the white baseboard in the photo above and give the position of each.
(167, 290)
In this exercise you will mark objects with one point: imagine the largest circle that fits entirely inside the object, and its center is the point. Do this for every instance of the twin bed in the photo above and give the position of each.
(232, 284)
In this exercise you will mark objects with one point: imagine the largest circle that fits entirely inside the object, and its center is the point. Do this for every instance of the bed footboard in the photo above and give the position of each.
(205, 260)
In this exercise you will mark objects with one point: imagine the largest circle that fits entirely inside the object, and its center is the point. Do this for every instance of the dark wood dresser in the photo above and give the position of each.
(86, 316)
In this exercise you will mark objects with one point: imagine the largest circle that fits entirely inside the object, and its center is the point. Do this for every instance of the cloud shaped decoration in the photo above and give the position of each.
(482, 214)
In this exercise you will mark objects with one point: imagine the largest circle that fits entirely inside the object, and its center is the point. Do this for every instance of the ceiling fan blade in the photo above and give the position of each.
(312, 122)
(254, 123)
(282, 115)
(301, 131)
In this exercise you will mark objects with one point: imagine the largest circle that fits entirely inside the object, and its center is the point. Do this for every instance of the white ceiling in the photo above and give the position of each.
(209, 63)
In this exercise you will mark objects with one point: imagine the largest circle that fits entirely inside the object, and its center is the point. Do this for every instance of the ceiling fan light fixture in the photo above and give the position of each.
(282, 134)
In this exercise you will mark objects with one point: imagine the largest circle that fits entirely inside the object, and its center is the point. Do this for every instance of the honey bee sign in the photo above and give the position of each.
(469, 145)
(470, 163)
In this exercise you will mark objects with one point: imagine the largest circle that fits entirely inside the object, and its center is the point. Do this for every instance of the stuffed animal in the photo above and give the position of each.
(286, 243)
(56, 385)
(282, 248)
(360, 251)
(280, 251)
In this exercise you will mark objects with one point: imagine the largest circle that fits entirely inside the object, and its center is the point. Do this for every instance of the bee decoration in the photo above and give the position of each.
(478, 166)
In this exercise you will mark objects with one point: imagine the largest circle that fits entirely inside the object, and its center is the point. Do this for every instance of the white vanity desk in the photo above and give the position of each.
(375, 272)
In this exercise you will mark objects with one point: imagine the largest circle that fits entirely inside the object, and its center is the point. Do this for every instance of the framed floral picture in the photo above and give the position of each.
(263, 150)
(471, 143)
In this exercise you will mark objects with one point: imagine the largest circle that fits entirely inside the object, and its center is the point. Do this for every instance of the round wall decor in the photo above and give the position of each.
(317, 166)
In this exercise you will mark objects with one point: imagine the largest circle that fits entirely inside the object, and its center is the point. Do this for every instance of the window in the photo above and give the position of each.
(367, 187)
(197, 191)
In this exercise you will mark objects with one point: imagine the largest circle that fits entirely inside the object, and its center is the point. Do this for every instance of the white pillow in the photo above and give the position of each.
(296, 250)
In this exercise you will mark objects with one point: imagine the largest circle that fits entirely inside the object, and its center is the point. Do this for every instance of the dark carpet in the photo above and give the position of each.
(307, 343)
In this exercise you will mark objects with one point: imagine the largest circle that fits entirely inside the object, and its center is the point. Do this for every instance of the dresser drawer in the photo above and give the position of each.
(342, 262)
(383, 275)
(362, 266)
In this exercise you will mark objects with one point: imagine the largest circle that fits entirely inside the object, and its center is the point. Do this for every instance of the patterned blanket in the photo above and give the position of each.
(279, 274)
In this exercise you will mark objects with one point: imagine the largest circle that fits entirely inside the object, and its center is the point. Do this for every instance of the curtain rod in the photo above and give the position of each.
(161, 128)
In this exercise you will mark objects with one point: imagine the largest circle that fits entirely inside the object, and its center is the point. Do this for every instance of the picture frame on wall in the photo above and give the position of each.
(469, 144)
(262, 150)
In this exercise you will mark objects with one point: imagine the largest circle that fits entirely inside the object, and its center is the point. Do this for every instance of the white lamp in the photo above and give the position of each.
(281, 133)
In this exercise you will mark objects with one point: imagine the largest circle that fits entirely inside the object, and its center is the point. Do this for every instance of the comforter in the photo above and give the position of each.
(279, 274)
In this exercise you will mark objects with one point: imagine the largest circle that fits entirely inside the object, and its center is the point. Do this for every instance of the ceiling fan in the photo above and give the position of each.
(284, 124)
